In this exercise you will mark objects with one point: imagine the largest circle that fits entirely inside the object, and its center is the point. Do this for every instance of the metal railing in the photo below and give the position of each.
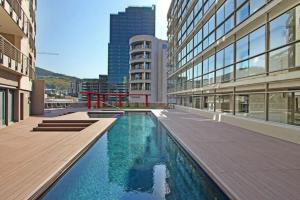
(22, 19)
(9, 50)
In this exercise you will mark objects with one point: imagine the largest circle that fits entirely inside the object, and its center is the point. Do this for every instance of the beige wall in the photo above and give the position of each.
(38, 99)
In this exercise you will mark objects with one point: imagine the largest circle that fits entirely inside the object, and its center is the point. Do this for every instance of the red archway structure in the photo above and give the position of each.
(104, 95)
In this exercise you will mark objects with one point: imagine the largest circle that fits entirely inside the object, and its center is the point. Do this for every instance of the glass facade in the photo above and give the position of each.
(200, 67)
(124, 25)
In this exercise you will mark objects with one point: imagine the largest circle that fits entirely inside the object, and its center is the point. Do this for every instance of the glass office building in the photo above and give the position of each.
(239, 57)
(124, 25)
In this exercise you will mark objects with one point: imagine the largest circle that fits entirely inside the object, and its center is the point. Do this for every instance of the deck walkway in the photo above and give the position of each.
(30, 160)
(245, 164)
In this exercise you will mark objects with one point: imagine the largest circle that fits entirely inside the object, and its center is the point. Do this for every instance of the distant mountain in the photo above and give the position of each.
(54, 80)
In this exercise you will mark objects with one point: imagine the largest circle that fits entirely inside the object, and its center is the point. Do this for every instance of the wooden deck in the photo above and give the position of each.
(29, 161)
(245, 164)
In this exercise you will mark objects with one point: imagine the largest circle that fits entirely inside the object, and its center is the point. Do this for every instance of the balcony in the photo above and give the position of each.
(12, 10)
(12, 59)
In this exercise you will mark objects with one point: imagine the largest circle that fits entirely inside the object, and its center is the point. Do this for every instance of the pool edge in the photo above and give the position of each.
(52, 179)
(228, 192)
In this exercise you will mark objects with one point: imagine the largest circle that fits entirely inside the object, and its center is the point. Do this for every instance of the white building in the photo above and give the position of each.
(148, 69)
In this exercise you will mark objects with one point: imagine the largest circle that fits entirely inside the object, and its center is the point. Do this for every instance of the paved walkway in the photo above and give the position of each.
(245, 164)
(29, 161)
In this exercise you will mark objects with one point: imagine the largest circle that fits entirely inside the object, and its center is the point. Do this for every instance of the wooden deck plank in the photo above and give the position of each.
(29, 159)
(245, 164)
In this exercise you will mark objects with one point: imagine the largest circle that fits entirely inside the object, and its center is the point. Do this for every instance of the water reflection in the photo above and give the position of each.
(135, 160)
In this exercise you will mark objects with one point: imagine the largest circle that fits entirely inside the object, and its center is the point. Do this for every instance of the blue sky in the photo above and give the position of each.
(79, 31)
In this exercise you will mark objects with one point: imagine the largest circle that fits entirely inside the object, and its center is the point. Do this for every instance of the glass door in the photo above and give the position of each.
(2, 108)
(11, 106)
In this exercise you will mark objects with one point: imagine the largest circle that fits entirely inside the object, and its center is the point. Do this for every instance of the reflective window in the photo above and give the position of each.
(224, 75)
(229, 24)
(242, 13)
(220, 14)
(229, 7)
(239, 2)
(198, 70)
(251, 105)
(220, 32)
(251, 67)
(224, 103)
(220, 59)
(256, 4)
(284, 58)
(282, 29)
(229, 55)
(258, 41)
(242, 49)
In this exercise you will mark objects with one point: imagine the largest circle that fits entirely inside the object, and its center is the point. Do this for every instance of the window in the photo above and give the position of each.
(256, 4)
(252, 105)
(11, 106)
(220, 15)
(229, 24)
(282, 29)
(239, 3)
(197, 101)
(220, 56)
(254, 66)
(229, 7)
(198, 82)
(224, 103)
(197, 70)
(242, 13)
(280, 107)
(224, 75)
(220, 32)
(242, 49)
(284, 58)
(251, 45)
(258, 41)
(229, 55)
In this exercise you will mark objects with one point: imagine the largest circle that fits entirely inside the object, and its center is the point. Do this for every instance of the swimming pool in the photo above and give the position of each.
(135, 160)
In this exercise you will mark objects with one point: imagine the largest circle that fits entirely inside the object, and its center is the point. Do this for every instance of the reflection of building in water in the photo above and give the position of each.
(135, 161)
(185, 179)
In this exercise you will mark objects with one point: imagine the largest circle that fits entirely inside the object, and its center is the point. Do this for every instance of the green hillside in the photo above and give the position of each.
(54, 80)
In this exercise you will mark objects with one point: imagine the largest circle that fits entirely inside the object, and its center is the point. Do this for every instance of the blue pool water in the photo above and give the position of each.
(135, 160)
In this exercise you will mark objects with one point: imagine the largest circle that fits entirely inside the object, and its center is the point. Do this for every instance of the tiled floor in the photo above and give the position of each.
(247, 165)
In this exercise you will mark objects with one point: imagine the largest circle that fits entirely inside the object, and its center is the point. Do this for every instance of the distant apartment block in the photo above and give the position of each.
(124, 25)
(148, 69)
(17, 59)
(239, 57)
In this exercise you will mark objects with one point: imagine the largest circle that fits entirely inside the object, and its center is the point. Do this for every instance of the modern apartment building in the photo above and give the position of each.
(148, 69)
(124, 25)
(239, 57)
(17, 59)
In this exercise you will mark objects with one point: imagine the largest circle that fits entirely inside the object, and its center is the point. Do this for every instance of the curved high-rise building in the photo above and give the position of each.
(148, 69)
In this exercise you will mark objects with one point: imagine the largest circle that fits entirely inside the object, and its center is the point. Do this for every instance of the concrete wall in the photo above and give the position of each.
(281, 131)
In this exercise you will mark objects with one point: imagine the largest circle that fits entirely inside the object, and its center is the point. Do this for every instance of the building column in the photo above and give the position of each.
(89, 104)
(146, 100)
(120, 101)
(17, 105)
